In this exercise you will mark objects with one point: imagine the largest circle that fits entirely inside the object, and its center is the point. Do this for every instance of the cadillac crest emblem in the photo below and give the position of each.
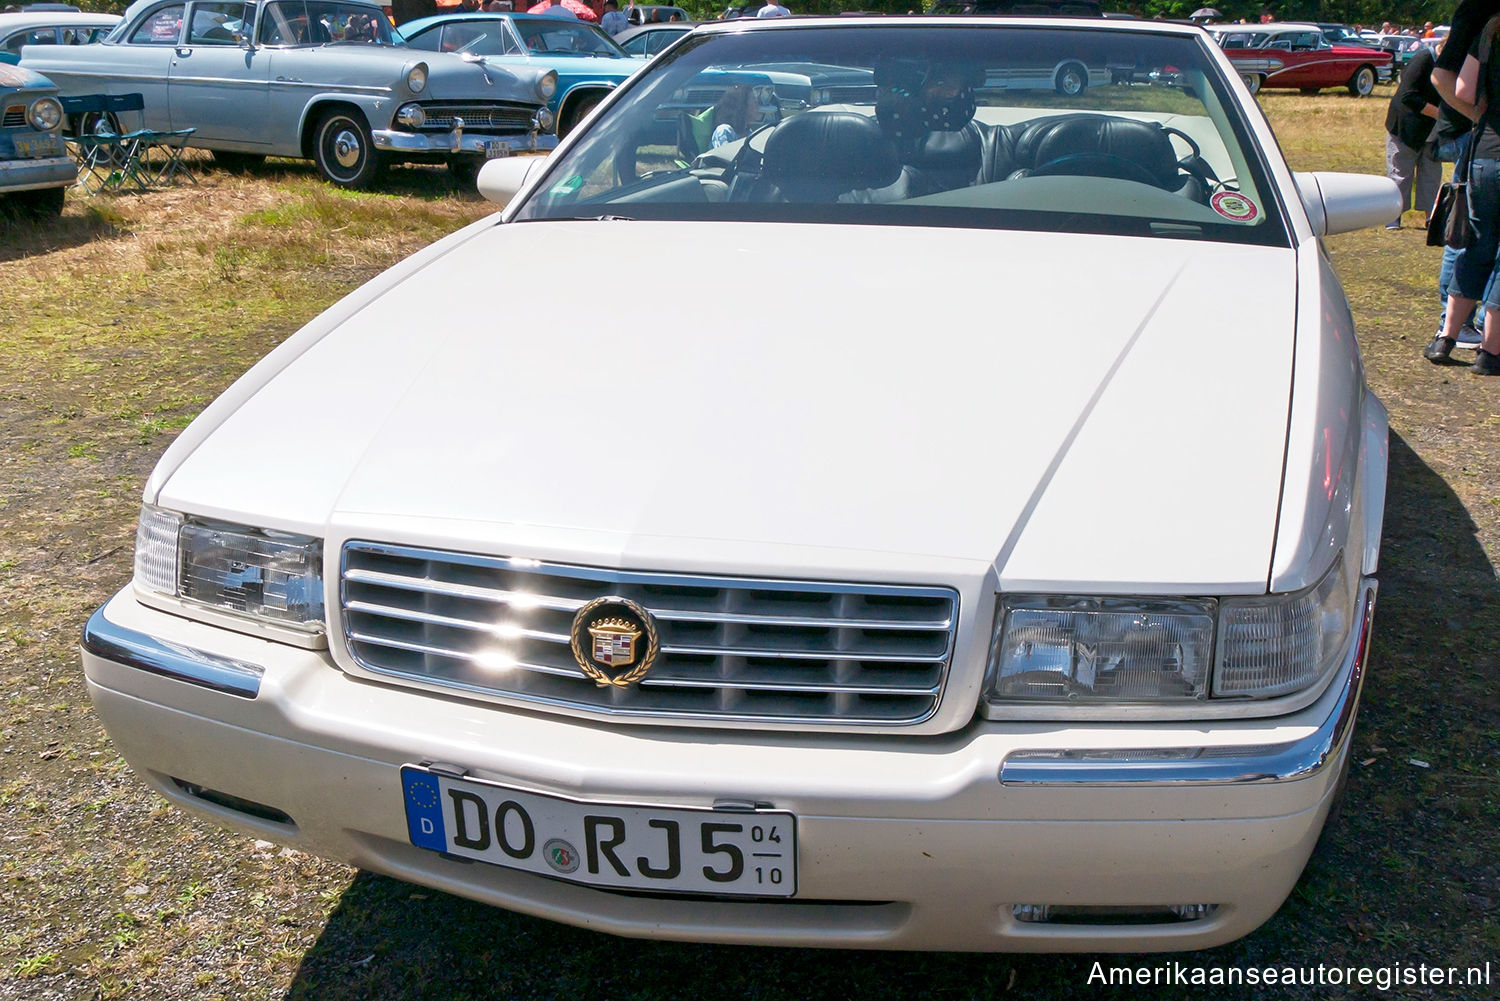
(611, 635)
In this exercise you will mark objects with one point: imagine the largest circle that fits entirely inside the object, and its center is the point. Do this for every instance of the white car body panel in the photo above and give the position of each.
(720, 409)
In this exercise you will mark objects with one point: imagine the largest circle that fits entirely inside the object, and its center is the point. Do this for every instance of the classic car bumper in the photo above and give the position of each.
(458, 141)
(918, 843)
(29, 175)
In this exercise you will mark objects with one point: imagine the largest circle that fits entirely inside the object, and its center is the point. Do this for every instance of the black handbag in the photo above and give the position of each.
(1448, 224)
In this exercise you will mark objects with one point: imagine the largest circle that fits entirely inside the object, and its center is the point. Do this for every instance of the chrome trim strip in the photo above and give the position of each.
(464, 590)
(412, 615)
(913, 625)
(454, 142)
(549, 603)
(395, 644)
(794, 688)
(645, 577)
(655, 681)
(1289, 762)
(728, 651)
(115, 643)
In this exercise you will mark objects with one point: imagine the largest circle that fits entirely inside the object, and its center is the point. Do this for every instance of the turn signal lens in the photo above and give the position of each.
(1283, 643)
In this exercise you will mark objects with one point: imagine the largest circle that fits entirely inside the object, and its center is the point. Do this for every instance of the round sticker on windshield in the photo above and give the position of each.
(1232, 205)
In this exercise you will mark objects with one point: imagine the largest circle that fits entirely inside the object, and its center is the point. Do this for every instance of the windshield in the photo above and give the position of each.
(558, 37)
(320, 22)
(1005, 127)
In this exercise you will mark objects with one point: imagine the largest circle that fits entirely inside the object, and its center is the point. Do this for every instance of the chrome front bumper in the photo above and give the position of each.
(459, 141)
(908, 846)
(30, 175)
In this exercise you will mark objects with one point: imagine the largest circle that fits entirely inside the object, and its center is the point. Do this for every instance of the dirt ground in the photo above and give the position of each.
(120, 322)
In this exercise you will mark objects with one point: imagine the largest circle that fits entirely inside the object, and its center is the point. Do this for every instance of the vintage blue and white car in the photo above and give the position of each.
(320, 79)
(588, 63)
(35, 169)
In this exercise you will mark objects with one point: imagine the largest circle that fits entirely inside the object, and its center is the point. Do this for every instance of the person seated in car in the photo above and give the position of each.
(927, 110)
(734, 114)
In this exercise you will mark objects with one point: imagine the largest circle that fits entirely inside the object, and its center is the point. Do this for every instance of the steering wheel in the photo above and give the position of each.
(1097, 165)
(1194, 163)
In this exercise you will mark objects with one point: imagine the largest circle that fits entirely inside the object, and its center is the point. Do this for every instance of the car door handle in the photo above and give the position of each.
(184, 51)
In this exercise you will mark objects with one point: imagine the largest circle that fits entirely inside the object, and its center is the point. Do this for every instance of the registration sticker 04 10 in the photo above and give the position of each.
(665, 849)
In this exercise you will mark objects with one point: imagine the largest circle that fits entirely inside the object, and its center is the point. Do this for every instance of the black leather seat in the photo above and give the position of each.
(1098, 145)
(818, 156)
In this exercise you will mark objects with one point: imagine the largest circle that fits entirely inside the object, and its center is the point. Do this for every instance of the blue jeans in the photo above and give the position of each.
(1448, 151)
(1473, 265)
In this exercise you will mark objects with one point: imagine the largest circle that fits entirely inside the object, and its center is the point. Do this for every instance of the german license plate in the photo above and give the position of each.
(45, 145)
(496, 148)
(649, 848)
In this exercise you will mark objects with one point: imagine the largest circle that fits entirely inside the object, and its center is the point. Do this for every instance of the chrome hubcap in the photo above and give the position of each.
(347, 149)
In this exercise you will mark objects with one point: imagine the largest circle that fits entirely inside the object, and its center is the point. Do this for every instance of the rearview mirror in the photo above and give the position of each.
(500, 180)
(1342, 203)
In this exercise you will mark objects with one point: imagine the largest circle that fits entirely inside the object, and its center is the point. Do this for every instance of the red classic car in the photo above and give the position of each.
(1297, 56)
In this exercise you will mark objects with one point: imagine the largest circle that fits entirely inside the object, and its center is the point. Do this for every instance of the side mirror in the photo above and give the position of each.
(500, 180)
(1342, 203)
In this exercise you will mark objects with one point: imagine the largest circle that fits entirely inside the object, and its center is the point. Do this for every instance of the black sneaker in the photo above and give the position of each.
(1486, 363)
(1439, 348)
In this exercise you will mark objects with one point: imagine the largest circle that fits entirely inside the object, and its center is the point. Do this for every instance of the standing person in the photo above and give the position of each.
(1466, 70)
(1410, 157)
(773, 9)
(1450, 140)
(613, 21)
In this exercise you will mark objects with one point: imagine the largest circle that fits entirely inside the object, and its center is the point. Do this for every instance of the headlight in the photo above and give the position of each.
(1081, 651)
(547, 85)
(275, 577)
(411, 115)
(416, 78)
(1078, 650)
(545, 119)
(45, 113)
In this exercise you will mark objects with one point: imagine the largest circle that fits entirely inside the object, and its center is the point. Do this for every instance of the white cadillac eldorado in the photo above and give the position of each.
(944, 559)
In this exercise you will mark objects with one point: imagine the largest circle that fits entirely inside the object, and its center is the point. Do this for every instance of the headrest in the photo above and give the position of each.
(1145, 143)
(838, 148)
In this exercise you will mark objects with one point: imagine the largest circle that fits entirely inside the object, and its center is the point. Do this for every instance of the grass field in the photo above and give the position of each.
(121, 321)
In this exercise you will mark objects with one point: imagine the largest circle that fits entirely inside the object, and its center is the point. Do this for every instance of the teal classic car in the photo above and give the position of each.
(35, 169)
(588, 63)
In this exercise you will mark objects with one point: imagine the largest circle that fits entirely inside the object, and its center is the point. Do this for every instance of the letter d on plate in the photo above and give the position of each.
(424, 811)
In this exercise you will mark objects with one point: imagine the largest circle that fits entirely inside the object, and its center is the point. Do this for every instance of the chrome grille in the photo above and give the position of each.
(15, 117)
(479, 117)
(731, 648)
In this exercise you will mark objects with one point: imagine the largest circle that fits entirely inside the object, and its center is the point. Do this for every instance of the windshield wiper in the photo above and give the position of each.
(582, 218)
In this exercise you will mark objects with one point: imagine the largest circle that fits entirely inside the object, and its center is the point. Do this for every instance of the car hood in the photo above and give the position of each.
(1082, 411)
(14, 77)
(449, 77)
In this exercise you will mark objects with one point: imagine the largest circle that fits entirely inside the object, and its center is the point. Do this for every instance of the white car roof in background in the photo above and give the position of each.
(50, 18)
